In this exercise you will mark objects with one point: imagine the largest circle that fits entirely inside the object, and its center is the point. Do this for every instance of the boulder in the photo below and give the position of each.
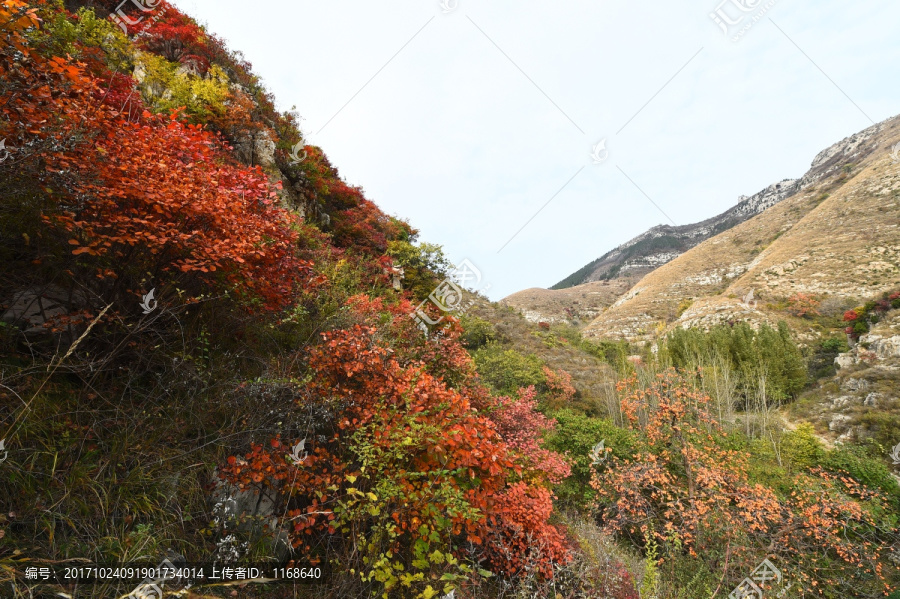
(845, 360)
(32, 307)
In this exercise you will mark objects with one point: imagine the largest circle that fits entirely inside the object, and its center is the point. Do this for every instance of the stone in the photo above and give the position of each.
(887, 348)
(852, 384)
(265, 150)
(839, 423)
(845, 360)
(872, 400)
(844, 401)
(32, 307)
(248, 510)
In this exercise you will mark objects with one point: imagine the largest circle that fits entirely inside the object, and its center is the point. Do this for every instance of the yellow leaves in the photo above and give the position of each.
(428, 593)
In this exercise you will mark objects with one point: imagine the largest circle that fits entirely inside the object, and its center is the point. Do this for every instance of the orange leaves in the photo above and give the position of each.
(682, 479)
(160, 193)
(433, 467)
(17, 16)
(691, 488)
(517, 535)
(166, 194)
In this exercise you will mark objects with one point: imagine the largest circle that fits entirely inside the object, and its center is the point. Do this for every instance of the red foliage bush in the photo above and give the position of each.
(152, 192)
(429, 453)
(686, 488)
(522, 426)
(559, 384)
(517, 537)
(803, 304)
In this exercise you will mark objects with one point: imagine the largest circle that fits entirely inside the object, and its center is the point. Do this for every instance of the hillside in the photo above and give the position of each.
(577, 305)
(207, 350)
(227, 373)
(664, 243)
(861, 403)
(835, 238)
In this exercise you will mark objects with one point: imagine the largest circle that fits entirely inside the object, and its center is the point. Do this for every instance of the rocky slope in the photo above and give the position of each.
(863, 399)
(664, 243)
(837, 238)
(577, 306)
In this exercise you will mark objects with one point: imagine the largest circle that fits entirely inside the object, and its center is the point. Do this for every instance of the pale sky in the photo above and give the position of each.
(468, 122)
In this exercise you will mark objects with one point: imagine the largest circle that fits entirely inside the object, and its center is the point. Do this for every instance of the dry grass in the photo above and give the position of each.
(577, 306)
(838, 239)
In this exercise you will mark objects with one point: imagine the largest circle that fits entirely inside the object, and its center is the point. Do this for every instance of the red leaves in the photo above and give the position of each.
(803, 304)
(522, 426)
(518, 536)
(159, 188)
(423, 440)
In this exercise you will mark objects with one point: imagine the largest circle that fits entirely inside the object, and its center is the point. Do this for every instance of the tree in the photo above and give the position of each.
(688, 490)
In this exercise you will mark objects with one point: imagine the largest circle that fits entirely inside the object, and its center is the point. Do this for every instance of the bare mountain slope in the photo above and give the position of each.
(837, 237)
(663, 243)
(577, 305)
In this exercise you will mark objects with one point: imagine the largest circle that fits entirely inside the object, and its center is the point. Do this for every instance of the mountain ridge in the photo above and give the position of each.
(834, 240)
(663, 243)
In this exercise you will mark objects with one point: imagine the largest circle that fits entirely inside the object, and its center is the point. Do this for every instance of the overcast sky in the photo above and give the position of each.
(467, 120)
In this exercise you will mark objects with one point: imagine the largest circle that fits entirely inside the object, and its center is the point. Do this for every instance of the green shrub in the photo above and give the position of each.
(166, 88)
(865, 464)
(575, 435)
(477, 332)
(821, 359)
(506, 371)
(64, 35)
(423, 265)
(884, 427)
(800, 448)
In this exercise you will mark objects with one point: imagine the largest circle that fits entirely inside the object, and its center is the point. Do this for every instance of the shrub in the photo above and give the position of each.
(506, 370)
(800, 448)
(821, 360)
(687, 491)
(802, 305)
(477, 332)
(865, 464)
(576, 435)
(860, 319)
(166, 87)
(408, 463)
(883, 426)
(420, 264)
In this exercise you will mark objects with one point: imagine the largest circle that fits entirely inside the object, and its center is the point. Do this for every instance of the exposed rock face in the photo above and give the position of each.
(31, 308)
(867, 384)
(249, 511)
(256, 149)
(265, 150)
(882, 343)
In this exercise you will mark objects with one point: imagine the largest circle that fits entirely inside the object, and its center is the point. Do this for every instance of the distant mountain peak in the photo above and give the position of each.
(663, 243)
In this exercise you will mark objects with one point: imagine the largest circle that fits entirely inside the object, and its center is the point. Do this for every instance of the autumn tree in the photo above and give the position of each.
(688, 489)
(410, 464)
